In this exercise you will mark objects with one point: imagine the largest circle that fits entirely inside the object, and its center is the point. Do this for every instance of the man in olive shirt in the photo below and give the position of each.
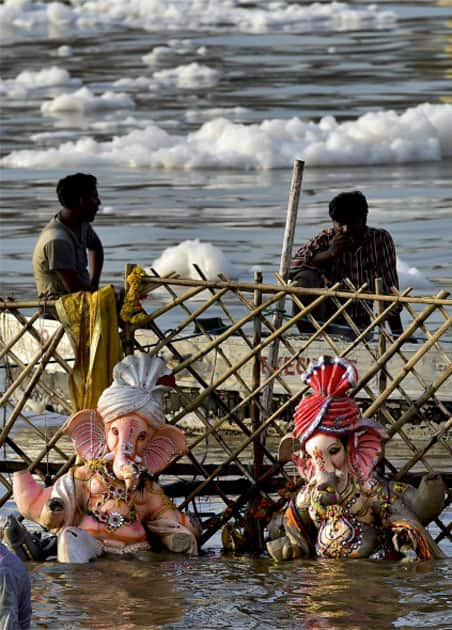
(68, 256)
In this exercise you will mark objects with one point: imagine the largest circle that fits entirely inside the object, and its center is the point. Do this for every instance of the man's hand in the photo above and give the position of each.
(341, 242)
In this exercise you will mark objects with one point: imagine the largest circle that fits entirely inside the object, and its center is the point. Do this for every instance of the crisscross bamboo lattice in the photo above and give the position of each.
(221, 338)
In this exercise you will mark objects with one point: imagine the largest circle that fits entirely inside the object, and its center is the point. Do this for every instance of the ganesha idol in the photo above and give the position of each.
(111, 500)
(345, 510)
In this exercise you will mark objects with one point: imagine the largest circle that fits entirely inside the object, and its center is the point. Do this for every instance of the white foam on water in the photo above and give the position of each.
(181, 259)
(193, 75)
(64, 51)
(412, 277)
(419, 134)
(83, 100)
(175, 47)
(28, 81)
(159, 15)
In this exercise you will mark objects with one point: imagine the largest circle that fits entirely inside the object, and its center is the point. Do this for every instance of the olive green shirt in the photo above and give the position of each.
(59, 249)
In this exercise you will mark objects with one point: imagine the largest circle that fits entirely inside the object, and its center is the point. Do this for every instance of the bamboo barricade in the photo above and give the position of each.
(286, 254)
(222, 374)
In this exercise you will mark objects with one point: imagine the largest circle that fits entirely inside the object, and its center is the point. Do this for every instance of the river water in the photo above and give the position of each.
(191, 113)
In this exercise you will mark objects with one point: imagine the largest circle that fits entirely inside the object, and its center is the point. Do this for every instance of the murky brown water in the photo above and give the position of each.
(217, 591)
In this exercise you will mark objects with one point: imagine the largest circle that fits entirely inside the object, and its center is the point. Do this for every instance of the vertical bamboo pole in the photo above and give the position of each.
(253, 531)
(382, 377)
(256, 378)
(286, 254)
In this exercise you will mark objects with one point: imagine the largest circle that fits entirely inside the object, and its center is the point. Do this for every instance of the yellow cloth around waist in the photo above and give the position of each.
(91, 323)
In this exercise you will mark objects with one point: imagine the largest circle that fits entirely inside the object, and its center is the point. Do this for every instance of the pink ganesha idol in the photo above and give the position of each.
(112, 501)
(345, 510)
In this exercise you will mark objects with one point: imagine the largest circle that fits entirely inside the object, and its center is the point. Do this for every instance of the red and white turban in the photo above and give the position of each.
(328, 409)
(138, 384)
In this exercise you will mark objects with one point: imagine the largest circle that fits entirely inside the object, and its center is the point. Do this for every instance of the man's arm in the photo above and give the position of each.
(71, 280)
(60, 254)
(304, 257)
(95, 261)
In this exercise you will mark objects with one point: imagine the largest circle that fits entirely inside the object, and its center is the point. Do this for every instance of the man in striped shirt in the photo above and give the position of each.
(350, 249)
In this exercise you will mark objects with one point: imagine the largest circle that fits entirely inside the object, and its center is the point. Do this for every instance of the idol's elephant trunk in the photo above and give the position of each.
(125, 467)
(326, 488)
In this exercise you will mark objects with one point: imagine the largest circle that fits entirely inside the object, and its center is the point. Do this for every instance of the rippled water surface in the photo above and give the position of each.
(215, 591)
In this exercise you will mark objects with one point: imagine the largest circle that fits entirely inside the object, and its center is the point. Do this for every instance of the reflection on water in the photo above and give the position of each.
(232, 591)
(216, 591)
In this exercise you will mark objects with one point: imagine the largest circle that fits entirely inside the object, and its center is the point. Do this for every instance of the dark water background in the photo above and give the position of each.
(313, 71)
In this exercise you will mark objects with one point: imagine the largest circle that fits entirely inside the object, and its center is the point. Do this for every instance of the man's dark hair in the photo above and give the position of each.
(72, 187)
(349, 207)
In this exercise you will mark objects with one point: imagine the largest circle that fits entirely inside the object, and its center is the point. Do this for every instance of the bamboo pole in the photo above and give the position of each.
(248, 441)
(253, 528)
(227, 374)
(6, 305)
(34, 333)
(271, 328)
(265, 383)
(306, 345)
(37, 430)
(203, 418)
(417, 404)
(220, 338)
(18, 335)
(382, 377)
(427, 332)
(407, 367)
(256, 378)
(194, 315)
(47, 391)
(168, 280)
(48, 349)
(400, 340)
(382, 347)
(286, 253)
(30, 367)
(271, 289)
(208, 389)
(423, 451)
(256, 402)
(278, 373)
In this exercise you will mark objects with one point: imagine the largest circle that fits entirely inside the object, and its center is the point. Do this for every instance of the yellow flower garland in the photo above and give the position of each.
(132, 312)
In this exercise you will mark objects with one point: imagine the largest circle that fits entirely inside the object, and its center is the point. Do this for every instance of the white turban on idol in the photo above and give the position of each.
(138, 384)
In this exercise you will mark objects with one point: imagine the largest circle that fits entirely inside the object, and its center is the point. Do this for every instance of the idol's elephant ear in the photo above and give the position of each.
(365, 446)
(87, 430)
(165, 445)
(290, 450)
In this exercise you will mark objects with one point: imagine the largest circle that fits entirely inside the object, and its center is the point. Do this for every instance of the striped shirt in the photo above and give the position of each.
(374, 257)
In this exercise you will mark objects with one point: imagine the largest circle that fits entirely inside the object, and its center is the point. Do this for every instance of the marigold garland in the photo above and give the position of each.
(132, 312)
